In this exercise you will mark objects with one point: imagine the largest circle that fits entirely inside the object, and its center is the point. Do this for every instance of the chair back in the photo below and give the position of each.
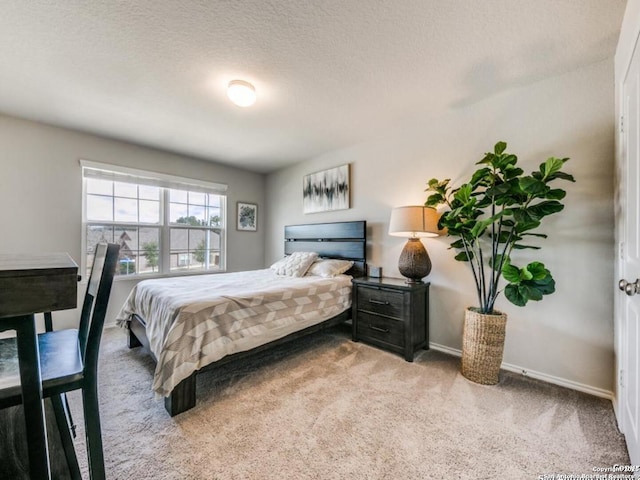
(96, 299)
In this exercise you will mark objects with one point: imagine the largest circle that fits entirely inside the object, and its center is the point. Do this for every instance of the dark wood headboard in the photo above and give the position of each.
(344, 240)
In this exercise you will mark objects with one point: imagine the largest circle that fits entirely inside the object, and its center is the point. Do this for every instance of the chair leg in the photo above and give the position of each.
(93, 431)
(65, 436)
(67, 412)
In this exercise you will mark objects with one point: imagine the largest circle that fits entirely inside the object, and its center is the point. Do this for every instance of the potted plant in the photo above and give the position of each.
(495, 213)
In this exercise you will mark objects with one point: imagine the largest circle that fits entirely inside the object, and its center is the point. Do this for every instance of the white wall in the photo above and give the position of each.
(41, 194)
(569, 334)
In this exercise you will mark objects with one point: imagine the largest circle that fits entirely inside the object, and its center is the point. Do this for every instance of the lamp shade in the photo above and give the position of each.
(414, 221)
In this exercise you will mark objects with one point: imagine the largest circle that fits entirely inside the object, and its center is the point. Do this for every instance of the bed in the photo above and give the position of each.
(196, 323)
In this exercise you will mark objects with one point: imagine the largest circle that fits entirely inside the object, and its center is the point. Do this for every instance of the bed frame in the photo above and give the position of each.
(344, 240)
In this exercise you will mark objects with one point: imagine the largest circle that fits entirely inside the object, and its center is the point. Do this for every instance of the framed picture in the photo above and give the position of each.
(326, 190)
(247, 214)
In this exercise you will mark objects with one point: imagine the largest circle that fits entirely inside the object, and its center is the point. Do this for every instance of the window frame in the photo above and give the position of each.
(165, 183)
(168, 227)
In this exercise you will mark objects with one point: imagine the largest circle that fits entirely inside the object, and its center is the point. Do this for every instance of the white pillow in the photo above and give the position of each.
(295, 265)
(278, 264)
(329, 267)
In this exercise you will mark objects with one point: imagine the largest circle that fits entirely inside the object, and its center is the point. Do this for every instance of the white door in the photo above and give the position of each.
(628, 301)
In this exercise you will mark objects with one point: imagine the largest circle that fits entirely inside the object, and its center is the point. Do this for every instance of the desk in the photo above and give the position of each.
(30, 284)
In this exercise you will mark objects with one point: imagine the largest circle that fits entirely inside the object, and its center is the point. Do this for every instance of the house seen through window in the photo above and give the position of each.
(163, 226)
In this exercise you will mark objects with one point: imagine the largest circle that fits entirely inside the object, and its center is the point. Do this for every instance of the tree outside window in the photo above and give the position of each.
(151, 253)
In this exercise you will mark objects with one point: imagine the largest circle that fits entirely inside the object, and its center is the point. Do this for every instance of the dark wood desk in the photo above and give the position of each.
(30, 284)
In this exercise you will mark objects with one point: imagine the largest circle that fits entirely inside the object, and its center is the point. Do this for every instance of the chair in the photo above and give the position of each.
(69, 361)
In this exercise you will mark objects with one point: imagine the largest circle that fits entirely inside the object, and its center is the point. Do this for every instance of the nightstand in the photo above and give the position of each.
(391, 314)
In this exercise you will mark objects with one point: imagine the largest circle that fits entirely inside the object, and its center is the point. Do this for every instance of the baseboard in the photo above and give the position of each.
(563, 382)
(443, 348)
(616, 412)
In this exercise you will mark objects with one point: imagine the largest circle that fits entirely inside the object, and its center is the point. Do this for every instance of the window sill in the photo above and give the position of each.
(139, 278)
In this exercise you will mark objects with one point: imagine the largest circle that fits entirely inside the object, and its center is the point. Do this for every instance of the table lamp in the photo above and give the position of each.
(413, 222)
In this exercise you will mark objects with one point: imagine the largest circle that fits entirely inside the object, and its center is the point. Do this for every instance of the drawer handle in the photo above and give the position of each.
(378, 329)
(378, 302)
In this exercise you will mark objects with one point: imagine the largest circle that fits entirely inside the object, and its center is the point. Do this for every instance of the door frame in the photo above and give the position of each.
(628, 42)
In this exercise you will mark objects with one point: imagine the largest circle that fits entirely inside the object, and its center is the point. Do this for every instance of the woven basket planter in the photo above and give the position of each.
(482, 346)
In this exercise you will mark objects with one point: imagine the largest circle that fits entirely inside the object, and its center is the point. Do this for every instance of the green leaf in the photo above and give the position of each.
(433, 183)
(479, 228)
(480, 176)
(434, 200)
(511, 273)
(498, 190)
(452, 215)
(538, 271)
(487, 159)
(543, 209)
(520, 294)
(532, 293)
(526, 225)
(463, 257)
(507, 161)
(525, 274)
(556, 194)
(518, 246)
(546, 286)
(484, 202)
(497, 261)
(513, 172)
(457, 244)
(499, 148)
(521, 216)
(533, 186)
(551, 166)
(516, 295)
(463, 194)
(503, 237)
(564, 176)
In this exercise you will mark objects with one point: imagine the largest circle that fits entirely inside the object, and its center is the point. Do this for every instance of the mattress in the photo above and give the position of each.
(194, 321)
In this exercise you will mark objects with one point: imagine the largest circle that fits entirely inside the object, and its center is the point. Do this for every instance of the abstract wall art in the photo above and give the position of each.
(326, 190)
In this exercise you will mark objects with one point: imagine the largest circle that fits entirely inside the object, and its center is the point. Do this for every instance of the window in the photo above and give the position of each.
(195, 219)
(163, 224)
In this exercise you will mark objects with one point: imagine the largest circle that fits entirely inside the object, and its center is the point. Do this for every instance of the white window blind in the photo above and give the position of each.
(140, 177)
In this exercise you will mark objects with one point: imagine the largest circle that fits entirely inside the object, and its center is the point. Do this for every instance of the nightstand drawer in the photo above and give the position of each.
(382, 329)
(377, 300)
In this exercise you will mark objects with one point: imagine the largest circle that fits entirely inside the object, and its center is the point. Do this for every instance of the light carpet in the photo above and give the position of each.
(325, 407)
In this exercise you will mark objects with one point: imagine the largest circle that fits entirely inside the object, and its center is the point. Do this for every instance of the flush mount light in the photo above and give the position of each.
(241, 93)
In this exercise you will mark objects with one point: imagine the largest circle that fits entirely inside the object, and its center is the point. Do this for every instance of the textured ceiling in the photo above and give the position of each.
(329, 73)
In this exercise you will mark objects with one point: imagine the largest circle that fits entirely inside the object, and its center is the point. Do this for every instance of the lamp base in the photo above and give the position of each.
(414, 263)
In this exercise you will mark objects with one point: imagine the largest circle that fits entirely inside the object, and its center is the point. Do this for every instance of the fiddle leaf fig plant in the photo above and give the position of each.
(496, 212)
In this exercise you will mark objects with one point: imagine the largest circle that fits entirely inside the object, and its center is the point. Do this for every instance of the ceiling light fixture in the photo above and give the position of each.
(241, 93)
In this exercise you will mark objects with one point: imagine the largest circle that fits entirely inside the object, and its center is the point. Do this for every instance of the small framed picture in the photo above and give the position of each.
(247, 214)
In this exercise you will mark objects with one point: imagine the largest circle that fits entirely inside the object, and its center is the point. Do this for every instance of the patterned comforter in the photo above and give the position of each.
(194, 321)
